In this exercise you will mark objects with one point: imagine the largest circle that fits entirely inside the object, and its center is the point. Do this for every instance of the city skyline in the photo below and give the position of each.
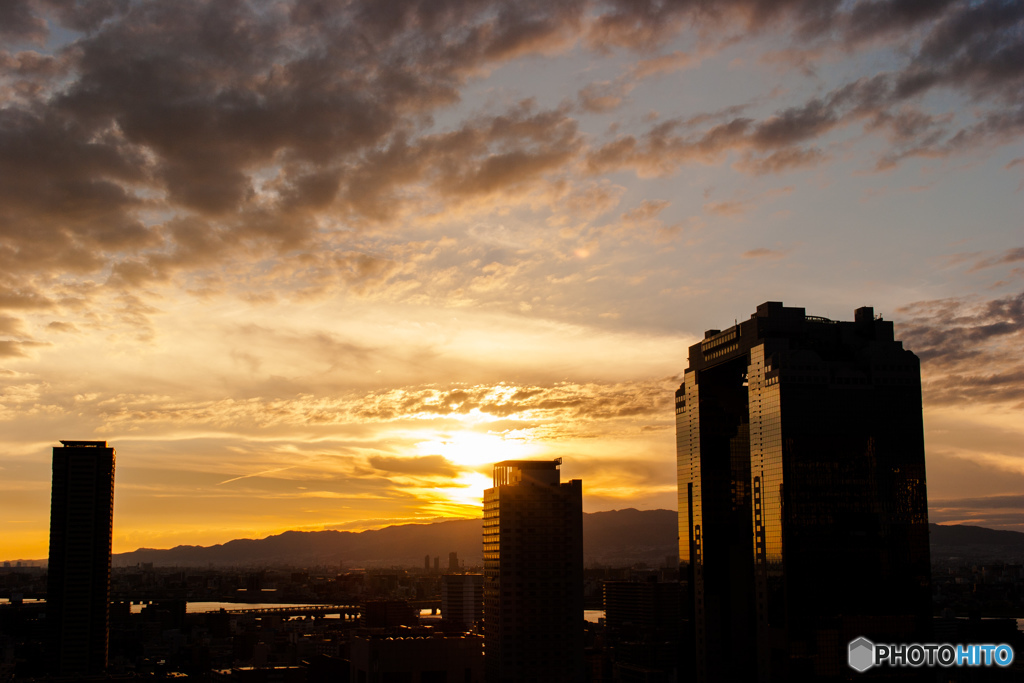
(316, 266)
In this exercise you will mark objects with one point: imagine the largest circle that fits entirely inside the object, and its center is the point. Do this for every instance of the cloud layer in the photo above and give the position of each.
(322, 250)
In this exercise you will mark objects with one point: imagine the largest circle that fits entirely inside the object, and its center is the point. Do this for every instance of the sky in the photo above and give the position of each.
(318, 264)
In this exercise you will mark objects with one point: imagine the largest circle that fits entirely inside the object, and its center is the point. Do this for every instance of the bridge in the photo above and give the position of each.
(345, 611)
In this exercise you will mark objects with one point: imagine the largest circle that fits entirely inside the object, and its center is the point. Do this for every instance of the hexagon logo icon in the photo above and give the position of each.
(862, 654)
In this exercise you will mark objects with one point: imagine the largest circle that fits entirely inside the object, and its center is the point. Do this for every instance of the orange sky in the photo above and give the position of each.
(317, 265)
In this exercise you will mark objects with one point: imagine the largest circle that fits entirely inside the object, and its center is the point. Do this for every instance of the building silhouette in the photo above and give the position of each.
(462, 598)
(803, 517)
(78, 580)
(533, 574)
(642, 624)
(412, 656)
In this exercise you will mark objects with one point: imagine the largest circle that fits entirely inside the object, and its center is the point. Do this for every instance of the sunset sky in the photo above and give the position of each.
(314, 264)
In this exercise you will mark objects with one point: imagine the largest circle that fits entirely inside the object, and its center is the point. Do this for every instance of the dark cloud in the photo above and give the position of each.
(1009, 256)
(1013, 520)
(987, 502)
(179, 109)
(979, 45)
(781, 160)
(868, 20)
(958, 341)
(19, 23)
(170, 136)
(794, 125)
(975, 49)
(85, 15)
(992, 511)
(952, 329)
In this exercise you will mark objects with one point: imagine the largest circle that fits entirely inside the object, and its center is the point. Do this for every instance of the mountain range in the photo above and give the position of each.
(613, 538)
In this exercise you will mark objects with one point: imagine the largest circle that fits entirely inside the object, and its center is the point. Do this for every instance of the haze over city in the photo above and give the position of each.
(318, 265)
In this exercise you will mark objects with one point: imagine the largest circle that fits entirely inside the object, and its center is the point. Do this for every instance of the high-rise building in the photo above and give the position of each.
(462, 598)
(803, 518)
(78, 579)
(533, 574)
(642, 630)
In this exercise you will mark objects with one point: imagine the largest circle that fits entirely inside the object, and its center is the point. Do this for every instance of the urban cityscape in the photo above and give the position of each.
(500, 341)
(799, 446)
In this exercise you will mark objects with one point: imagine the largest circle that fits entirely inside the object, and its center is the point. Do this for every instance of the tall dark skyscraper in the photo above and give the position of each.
(803, 512)
(533, 574)
(78, 584)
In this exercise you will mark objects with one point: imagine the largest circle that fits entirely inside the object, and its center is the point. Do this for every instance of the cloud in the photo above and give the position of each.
(60, 326)
(19, 23)
(564, 401)
(952, 329)
(973, 49)
(435, 465)
(255, 474)
(994, 511)
(559, 410)
(598, 98)
(11, 326)
(159, 142)
(764, 253)
(237, 120)
(662, 64)
(987, 502)
(17, 349)
(969, 349)
(1014, 255)
(648, 210)
(868, 20)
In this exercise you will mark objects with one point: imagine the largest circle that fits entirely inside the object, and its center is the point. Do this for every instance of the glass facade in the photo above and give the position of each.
(533, 575)
(829, 503)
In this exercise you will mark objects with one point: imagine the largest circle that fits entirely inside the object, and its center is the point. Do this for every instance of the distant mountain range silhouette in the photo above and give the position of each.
(975, 544)
(616, 538)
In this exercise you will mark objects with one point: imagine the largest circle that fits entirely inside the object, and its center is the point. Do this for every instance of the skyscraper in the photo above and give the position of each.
(462, 598)
(802, 501)
(533, 574)
(78, 579)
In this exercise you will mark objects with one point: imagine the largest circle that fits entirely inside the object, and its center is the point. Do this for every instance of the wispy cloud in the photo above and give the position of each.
(255, 474)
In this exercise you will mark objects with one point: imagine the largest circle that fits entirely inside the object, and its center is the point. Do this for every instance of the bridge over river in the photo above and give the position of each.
(350, 611)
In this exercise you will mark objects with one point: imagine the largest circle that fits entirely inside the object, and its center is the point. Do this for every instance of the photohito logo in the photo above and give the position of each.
(864, 654)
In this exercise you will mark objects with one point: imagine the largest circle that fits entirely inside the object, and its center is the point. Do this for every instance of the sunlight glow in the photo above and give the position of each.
(471, 449)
